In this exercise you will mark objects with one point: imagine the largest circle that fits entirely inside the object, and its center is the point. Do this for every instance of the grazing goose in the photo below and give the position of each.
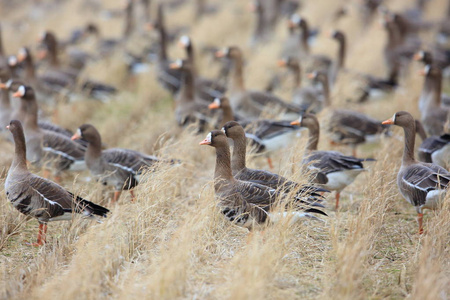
(245, 203)
(38, 197)
(433, 114)
(118, 167)
(434, 149)
(48, 148)
(250, 104)
(332, 169)
(235, 131)
(266, 135)
(421, 184)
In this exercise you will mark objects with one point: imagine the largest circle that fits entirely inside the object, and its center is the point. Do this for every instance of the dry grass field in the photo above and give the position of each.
(172, 243)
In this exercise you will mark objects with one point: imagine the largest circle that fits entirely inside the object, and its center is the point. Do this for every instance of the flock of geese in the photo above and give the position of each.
(246, 197)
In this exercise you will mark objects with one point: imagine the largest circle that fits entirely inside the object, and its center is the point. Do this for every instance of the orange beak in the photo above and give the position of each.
(213, 105)
(76, 136)
(388, 122)
(17, 95)
(7, 127)
(205, 142)
(417, 56)
(181, 45)
(291, 24)
(149, 27)
(311, 75)
(220, 53)
(2, 86)
(281, 63)
(174, 66)
(295, 123)
(328, 34)
(20, 57)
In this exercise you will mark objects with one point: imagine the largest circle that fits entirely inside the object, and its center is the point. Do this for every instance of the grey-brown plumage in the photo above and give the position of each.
(250, 104)
(332, 169)
(421, 184)
(240, 171)
(245, 203)
(38, 197)
(44, 147)
(433, 149)
(120, 168)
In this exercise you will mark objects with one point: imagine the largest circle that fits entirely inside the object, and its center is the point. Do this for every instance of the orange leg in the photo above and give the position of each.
(133, 197)
(269, 161)
(420, 219)
(41, 236)
(338, 196)
(116, 196)
(354, 152)
(58, 179)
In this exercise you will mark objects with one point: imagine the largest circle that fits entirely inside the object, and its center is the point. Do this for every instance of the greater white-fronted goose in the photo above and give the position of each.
(189, 108)
(266, 135)
(120, 168)
(436, 56)
(206, 88)
(245, 203)
(48, 148)
(235, 131)
(434, 149)
(433, 114)
(332, 169)
(310, 98)
(421, 184)
(250, 104)
(38, 197)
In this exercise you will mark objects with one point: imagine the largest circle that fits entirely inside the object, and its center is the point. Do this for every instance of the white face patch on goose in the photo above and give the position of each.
(300, 120)
(22, 52)
(79, 132)
(223, 130)
(42, 36)
(8, 83)
(208, 138)
(21, 91)
(427, 69)
(226, 51)
(12, 60)
(295, 19)
(393, 117)
(217, 101)
(185, 40)
(179, 63)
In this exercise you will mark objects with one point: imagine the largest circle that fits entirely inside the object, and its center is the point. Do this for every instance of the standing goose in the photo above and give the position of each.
(348, 127)
(206, 88)
(118, 167)
(235, 131)
(333, 170)
(250, 104)
(245, 203)
(310, 98)
(433, 114)
(421, 184)
(266, 135)
(48, 148)
(189, 108)
(38, 197)
(434, 149)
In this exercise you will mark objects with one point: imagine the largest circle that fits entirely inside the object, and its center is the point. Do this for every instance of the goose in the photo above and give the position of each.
(41, 198)
(48, 148)
(244, 203)
(421, 184)
(310, 98)
(433, 114)
(332, 169)
(120, 168)
(433, 149)
(266, 135)
(206, 88)
(349, 127)
(189, 108)
(250, 104)
(235, 131)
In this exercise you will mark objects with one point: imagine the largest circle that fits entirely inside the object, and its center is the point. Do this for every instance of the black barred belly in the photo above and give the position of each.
(235, 215)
